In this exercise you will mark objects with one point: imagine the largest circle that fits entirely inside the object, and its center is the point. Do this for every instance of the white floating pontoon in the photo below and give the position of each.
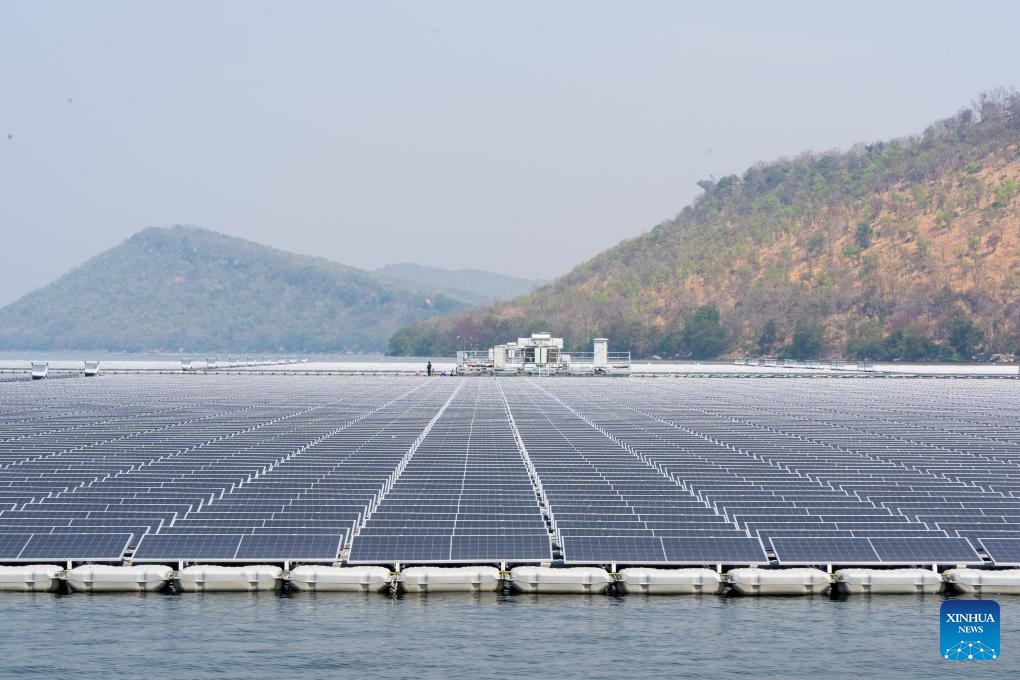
(30, 578)
(888, 581)
(455, 579)
(315, 579)
(577, 580)
(202, 578)
(984, 581)
(670, 581)
(102, 578)
(802, 581)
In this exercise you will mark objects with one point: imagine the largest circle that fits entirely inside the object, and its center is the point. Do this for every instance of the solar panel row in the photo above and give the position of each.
(92, 547)
(778, 467)
(465, 495)
(288, 476)
(227, 468)
(900, 550)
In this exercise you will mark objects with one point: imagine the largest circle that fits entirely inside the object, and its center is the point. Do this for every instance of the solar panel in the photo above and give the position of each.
(390, 549)
(605, 549)
(915, 550)
(822, 550)
(75, 546)
(302, 547)
(701, 550)
(526, 547)
(1003, 551)
(978, 538)
(11, 545)
(187, 547)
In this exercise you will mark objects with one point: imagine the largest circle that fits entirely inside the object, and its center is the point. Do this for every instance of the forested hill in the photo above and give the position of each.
(472, 285)
(907, 249)
(191, 289)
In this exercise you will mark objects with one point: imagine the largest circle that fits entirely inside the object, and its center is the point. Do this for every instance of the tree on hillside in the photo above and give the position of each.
(703, 336)
(963, 337)
(769, 337)
(862, 235)
(538, 326)
(808, 342)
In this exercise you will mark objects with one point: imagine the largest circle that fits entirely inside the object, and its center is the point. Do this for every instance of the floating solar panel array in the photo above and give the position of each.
(322, 479)
(194, 472)
(904, 472)
(244, 468)
(608, 504)
(465, 495)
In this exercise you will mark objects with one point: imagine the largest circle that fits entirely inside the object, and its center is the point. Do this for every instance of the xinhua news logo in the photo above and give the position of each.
(969, 630)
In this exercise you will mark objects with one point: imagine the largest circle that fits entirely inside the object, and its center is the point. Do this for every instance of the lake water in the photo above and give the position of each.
(469, 636)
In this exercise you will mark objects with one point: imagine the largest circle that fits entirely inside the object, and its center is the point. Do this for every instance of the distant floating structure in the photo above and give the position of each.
(40, 369)
(542, 354)
(91, 368)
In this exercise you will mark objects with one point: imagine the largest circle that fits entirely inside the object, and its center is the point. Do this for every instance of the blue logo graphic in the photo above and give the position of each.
(969, 630)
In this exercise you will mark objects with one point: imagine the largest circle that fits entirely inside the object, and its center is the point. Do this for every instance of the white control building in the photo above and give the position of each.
(542, 354)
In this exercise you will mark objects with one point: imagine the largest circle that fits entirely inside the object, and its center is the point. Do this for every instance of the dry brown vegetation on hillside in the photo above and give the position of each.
(908, 249)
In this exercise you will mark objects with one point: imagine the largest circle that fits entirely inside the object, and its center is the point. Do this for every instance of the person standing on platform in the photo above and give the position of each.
(428, 368)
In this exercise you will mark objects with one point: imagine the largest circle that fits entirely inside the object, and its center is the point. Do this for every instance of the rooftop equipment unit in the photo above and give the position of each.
(40, 369)
(601, 354)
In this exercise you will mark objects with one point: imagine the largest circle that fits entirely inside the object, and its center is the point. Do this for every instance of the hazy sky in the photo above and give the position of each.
(519, 137)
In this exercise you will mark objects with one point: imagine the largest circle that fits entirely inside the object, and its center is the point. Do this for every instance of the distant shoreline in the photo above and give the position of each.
(374, 363)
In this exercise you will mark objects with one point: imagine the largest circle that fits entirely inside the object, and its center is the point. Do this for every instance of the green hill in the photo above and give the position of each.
(906, 249)
(471, 285)
(191, 289)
